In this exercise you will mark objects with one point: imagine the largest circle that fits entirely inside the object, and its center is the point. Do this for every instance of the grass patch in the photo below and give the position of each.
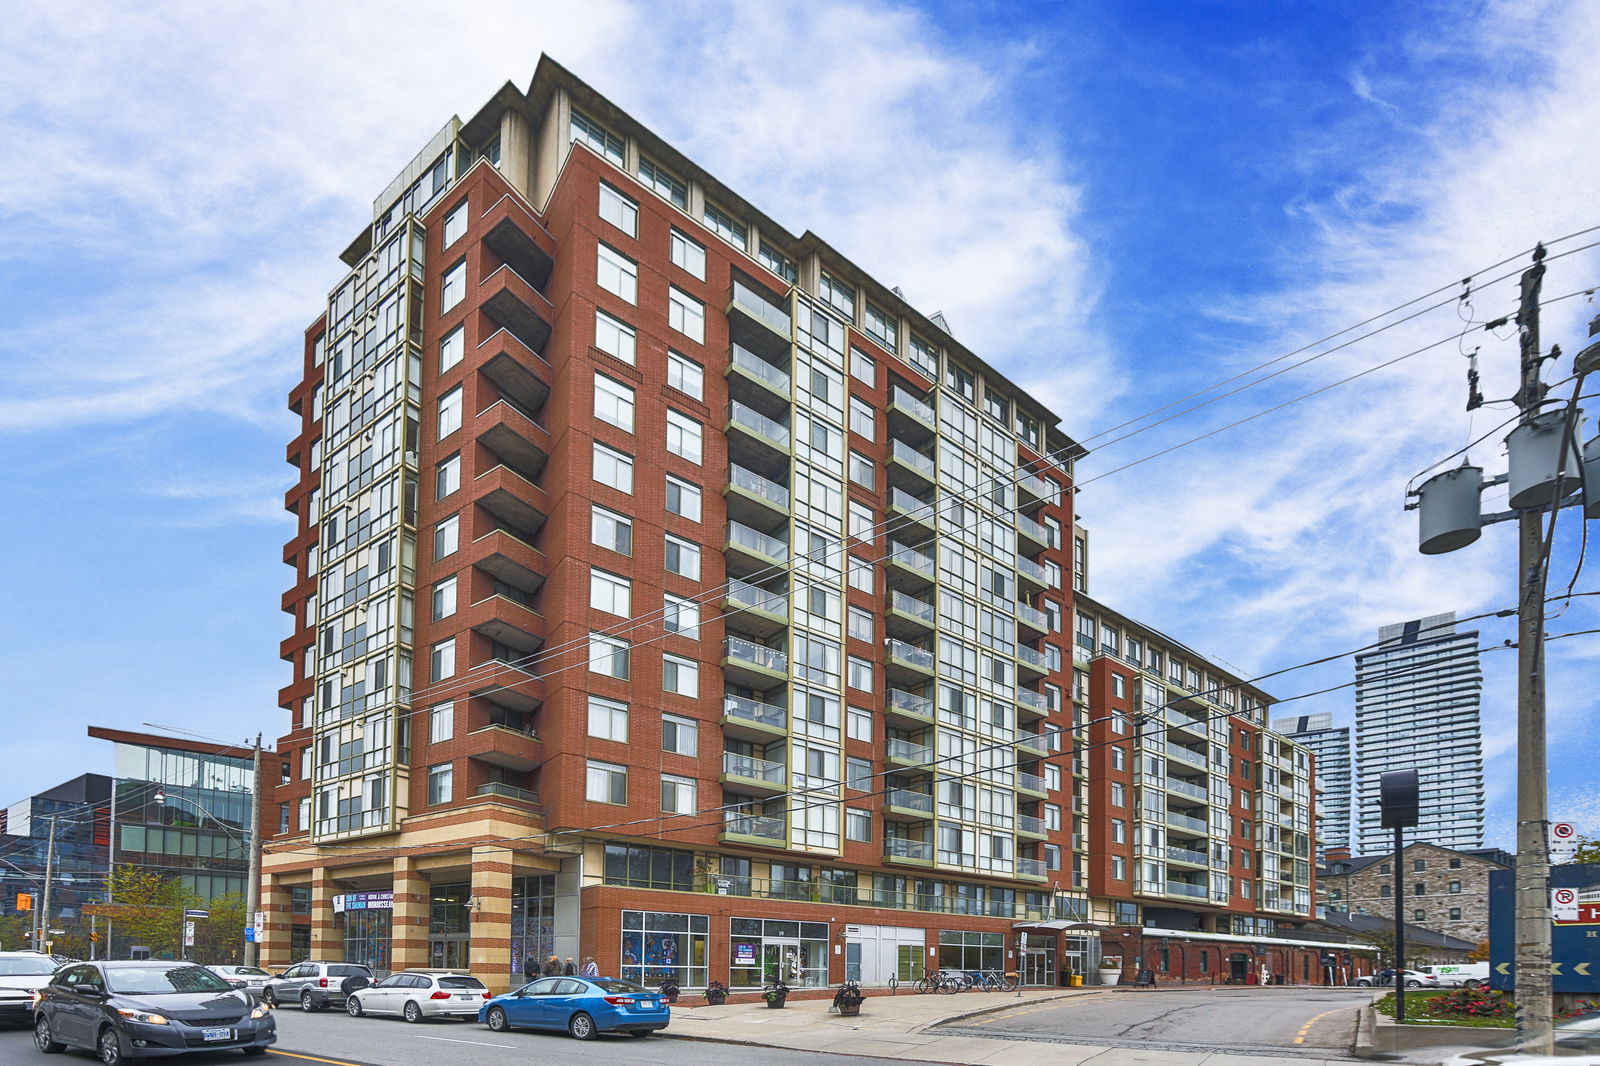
(1444, 1007)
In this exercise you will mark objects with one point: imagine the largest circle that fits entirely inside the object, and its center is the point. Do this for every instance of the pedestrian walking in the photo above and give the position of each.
(589, 967)
(571, 968)
(552, 966)
(530, 968)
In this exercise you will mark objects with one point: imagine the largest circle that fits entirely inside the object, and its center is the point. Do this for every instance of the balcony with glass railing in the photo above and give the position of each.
(908, 803)
(1033, 701)
(756, 441)
(904, 704)
(749, 308)
(1033, 531)
(751, 774)
(752, 367)
(909, 616)
(907, 752)
(754, 498)
(910, 567)
(1028, 659)
(909, 466)
(1028, 825)
(753, 665)
(1183, 821)
(1188, 757)
(1035, 489)
(911, 513)
(913, 852)
(753, 828)
(1185, 889)
(749, 549)
(755, 611)
(1030, 783)
(1188, 855)
(910, 416)
(907, 659)
(1033, 572)
(1032, 618)
(1032, 869)
(752, 719)
(1184, 788)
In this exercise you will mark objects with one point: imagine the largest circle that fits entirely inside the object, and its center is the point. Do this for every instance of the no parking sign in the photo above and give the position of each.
(1564, 904)
(1563, 842)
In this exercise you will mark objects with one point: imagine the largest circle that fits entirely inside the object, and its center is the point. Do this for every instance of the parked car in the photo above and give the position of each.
(123, 1010)
(250, 978)
(583, 1006)
(1385, 978)
(418, 994)
(1459, 975)
(315, 985)
(21, 974)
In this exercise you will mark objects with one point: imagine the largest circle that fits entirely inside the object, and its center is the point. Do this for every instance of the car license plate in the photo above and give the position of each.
(216, 1034)
(465, 995)
(649, 1004)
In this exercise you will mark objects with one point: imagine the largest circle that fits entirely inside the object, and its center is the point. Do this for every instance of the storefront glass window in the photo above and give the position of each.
(366, 938)
(533, 910)
(962, 950)
(764, 950)
(657, 945)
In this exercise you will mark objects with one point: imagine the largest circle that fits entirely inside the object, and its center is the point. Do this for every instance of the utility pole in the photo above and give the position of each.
(49, 882)
(252, 950)
(1534, 1021)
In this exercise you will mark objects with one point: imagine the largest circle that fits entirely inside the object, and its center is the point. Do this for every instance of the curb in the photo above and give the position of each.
(1362, 1047)
(996, 1009)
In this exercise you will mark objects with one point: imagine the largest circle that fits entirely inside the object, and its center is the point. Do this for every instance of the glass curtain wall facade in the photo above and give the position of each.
(1333, 782)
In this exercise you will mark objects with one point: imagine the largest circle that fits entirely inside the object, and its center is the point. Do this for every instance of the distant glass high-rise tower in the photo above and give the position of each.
(1331, 777)
(1417, 698)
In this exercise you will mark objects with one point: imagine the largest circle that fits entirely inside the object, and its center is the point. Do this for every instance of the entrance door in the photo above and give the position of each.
(449, 952)
(780, 960)
(1039, 966)
(1238, 966)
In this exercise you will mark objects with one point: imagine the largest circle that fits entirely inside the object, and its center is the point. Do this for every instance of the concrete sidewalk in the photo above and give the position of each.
(902, 1027)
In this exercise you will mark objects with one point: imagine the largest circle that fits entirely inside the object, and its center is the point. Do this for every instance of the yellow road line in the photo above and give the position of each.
(1306, 1028)
(312, 1058)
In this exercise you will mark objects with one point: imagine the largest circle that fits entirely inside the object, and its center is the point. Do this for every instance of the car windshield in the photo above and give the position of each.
(250, 971)
(611, 984)
(154, 980)
(26, 967)
(460, 982)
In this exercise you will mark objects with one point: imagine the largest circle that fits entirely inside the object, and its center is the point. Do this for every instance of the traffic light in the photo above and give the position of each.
(94, 938)
(24, 901)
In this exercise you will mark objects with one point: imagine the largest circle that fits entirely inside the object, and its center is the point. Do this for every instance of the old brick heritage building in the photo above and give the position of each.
(1445, 890)
(579, 664)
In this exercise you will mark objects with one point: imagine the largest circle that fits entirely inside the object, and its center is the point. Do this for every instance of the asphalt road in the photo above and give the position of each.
(1313, 1020)
(331, 1038)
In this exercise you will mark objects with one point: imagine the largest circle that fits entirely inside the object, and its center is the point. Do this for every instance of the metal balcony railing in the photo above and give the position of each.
(758, 423)
(910, 654)
(756, 654)
(748, 766)
(757, 541)
(755, 825)
(910, 800)
(908, 455)
(900, 848)
(759, 368)
(749, 710)
(906, 750)
(905, 604)
(756, 485)
(899, 397)
(754, 596)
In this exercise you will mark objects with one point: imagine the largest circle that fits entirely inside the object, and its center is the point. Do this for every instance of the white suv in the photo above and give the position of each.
(419, 994)
(315, 985)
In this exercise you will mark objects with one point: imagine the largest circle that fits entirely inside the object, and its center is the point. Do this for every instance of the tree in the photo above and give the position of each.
(147, 907)
(219, 939)
(1479, 953)
(1588, 850)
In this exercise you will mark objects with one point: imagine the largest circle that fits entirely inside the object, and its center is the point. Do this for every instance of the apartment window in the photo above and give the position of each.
(1384, 891)
(1119, 686)
(608, 719)
(617, 274)
(998, 408)
(688, 254)
(683, 558)
(1119, 831)
(1419, 916)
(681, 616)
(777, 262)
(863, 368)
(683, 498)
(858, 723)
(455, 224)
(614, 337)
(441, 783)
(619, 210)
(447, 477)
(925, 357)
(684, 436)
(1052, 856)
(608, 655)
(678, 794)
(663, 183)
(442, 660)
(679, 735)
(446, 537)
(613, 468)
(1119, 795)
(1419, 889)
(1384, 869)
(1455, 886)
(1455, 864)
(441, 722)
(1455, 914)
(453, 287)
(858, 673)
(861, 575)
(452, 348)
(609, 593)
(863, 419)
(725, 226)
(840, 296)
(606, 783)
(857, 824)
(860, 522)
(585, 130)
(686, 375)
(611, 531)
(680, 676)
(861, 470)
(1419, 865)
(613, 402)
(961, 381)
(1052, 817)
(444, 599)
(860, 624)
(1119, 759)
(858, 774)
(450, 412)
(686, 314)
(881, 327)
(1119, 868)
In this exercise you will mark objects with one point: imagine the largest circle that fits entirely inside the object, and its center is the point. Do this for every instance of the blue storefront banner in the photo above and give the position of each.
(1574, 944)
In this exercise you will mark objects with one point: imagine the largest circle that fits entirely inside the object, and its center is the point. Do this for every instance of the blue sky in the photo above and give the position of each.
(1118, 204)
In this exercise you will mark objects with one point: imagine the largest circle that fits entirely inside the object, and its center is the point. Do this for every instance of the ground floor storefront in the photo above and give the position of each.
(1168, 956)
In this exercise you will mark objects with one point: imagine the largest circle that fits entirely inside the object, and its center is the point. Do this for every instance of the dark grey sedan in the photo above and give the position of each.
(127, 1010)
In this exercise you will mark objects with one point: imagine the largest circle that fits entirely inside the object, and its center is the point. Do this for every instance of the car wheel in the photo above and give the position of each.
(42, 1038)
(581, 1026)
(497, 1020)
(352, 1007)
(109, 1047)
(307, 1003)
(268, 998)
(412, 1013)
(1413, 984)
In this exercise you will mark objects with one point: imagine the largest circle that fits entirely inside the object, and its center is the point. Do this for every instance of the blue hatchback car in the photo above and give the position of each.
(583, 1006)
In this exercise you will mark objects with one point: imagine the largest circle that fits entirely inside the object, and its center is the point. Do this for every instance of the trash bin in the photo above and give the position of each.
(1075, 980)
